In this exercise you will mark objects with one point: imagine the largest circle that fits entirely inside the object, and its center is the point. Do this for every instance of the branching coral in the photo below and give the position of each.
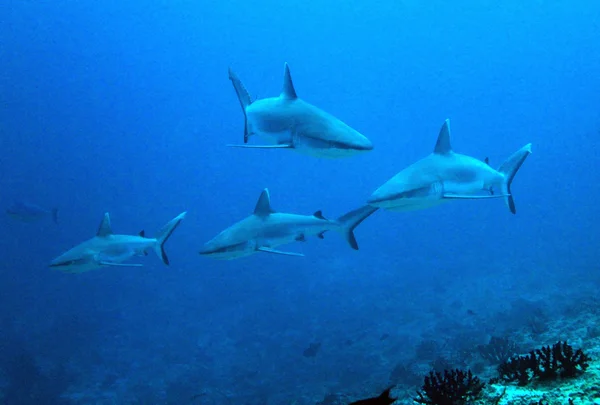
(518, 368)
(547, 363)
(498, 350)
(455, 387)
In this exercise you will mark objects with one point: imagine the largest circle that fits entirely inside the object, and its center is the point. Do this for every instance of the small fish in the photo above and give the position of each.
(312, 350)
(27, 212)
(383, 399)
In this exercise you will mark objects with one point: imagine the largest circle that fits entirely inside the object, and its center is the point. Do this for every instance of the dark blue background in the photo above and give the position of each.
(125, 106)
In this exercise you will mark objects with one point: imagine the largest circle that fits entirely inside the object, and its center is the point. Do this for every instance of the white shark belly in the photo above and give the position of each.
(463, 188)
(321, 148)
(413, 204)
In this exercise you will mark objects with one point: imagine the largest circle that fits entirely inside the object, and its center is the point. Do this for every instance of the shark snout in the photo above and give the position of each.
(212, 248)
(378, 199)
(206, 250)
(362, 143)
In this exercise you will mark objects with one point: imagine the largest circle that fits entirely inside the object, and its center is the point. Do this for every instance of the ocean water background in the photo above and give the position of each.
(125, 107)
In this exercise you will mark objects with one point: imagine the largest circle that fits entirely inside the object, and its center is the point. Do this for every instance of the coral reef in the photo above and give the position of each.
(405, 374)
(28, 385)
(547, 363)
(454, 387)
(498, 350)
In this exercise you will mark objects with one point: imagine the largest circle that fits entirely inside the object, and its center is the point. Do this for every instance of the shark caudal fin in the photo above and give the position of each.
(351, 220)
(243, 97)
(509, 168)
(55, 215)
(164, 234)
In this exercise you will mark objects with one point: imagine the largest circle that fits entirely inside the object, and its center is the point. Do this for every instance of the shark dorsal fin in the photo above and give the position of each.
(104, 229)
(263, 205)
(443, 146)
(142, 233)
(288, 90)
(487, 160)
(319, 214)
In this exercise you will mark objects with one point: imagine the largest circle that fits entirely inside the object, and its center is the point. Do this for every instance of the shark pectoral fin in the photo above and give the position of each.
(113, 264)
(450, 196)
(278, 252)
(280, 146)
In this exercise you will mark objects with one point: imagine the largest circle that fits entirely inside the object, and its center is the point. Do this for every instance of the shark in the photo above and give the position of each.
(107, 249)
(291, 123)
(266, 229)
(444, 176)
(28, 212)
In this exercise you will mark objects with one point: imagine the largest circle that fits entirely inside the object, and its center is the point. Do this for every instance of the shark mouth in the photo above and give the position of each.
(418, 193)
(68, 263)
(331, 144)
(207, 251)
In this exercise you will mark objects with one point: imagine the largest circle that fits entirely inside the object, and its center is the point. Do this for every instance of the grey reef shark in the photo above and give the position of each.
(266, 229)
(292, 123)
(108, 249)
(27, 212)
(445, 176)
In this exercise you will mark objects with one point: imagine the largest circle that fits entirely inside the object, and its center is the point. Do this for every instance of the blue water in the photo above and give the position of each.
(125, 107)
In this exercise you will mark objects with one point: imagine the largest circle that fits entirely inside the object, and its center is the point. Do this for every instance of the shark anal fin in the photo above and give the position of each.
(301, 238)
(321, 235)
(280, 146)
(278, 252)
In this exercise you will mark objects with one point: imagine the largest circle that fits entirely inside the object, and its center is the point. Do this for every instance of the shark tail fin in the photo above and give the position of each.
(164, 234)
(351, 220)
(55, 215)
(243, 97)
(509, 169)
